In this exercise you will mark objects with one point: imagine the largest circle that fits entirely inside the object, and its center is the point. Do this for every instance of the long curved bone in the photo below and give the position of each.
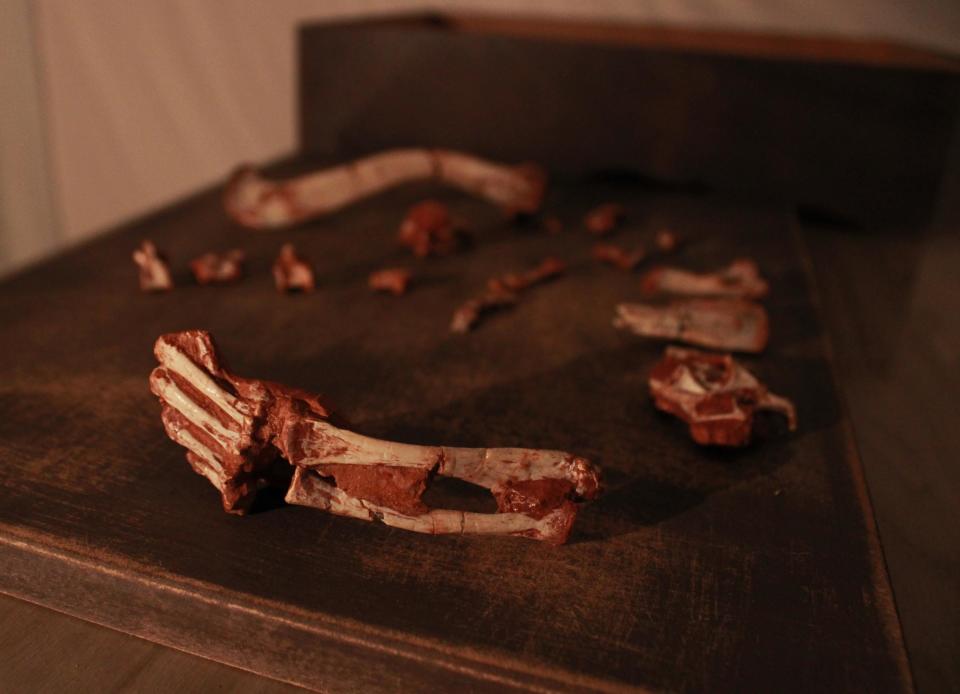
(729, 324)
(258, 203)
(740, 279)
(236, 430)
(714, 395)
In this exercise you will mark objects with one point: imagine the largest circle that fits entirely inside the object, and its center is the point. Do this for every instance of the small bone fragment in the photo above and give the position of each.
(741, 278)
(154, 271)
(394, 280)
(428, 230)
(243, 435)
(468, 314)
(258, 203)
(503, 291)
(218, 268)
(618, 257)
(548, 268)
(714, 395)
(666, 241)
(291, 272)
(727, 324)
(602, 220)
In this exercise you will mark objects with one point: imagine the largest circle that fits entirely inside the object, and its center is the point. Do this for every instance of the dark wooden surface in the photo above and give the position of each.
(887, 299)
(833, 133)
(696, 570)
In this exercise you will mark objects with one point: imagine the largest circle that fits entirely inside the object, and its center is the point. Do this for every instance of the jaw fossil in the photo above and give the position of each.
(242, 434)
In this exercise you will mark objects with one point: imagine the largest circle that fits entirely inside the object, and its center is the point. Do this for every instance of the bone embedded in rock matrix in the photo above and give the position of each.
(244, 435)
(740, 279)
(258, 203)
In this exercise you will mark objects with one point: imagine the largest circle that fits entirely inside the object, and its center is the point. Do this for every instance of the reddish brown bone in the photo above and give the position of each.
(666, 241)
(740, 279)
(728, 324)
(503, 291)
(291, 272)
(428, 229)
(604, 219)
(714, 395)
(154, 272)
(618, 257)
(236, 430)
(258, 203)
(218, 268)
(394, 280)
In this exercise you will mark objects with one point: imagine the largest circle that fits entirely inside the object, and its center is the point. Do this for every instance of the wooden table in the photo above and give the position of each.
(697, 570)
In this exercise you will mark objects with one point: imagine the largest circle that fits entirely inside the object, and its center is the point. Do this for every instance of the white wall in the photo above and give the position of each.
(28, 221)
(146, 100)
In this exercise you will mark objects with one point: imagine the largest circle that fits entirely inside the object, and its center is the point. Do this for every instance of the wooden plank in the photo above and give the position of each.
(836, 134)
(697, 570)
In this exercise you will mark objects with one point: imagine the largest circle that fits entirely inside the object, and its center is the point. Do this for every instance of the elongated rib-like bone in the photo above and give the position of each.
(729, 324)
(218, 268)
(258, 203)
(236, 429)
(715, 395)
(504, 291)
(740, 279)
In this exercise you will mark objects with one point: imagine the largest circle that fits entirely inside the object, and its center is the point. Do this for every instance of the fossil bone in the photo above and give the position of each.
(394, 280)
(291, 272)
(604, 219)
(666, 241)
(714, 395)
(428, 229)
(618, 257)
(218, 268)
(243, 434)
(258, 203)
(154, 272)
(504, 291)
(741, 279)
(728, 324)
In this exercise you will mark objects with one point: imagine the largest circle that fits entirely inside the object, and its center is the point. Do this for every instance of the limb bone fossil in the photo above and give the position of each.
(728, 324)
(259, 203)
(242, 435)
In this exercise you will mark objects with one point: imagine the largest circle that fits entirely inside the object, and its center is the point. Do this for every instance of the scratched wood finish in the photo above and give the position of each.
(697, 569)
